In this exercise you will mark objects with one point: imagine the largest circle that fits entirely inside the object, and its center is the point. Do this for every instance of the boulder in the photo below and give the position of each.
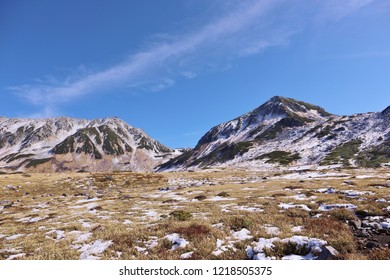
(328, 253)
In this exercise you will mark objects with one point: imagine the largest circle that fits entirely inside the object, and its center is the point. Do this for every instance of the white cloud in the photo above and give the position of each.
(246, 31)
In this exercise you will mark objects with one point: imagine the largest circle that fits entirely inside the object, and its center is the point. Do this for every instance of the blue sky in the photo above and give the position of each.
(176, 68)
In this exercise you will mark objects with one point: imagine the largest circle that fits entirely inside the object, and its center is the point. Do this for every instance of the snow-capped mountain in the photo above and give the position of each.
(58, 144)
(285, 131)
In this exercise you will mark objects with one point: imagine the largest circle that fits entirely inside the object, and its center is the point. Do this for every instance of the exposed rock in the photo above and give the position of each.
(328, 253)
(356, 223)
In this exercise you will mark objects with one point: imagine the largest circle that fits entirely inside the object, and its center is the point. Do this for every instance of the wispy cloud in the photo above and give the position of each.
(246, 31)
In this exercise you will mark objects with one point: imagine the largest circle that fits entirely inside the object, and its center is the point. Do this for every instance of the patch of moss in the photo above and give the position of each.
(36, 162)
(375, 156)
(180, 215)
(111, 145)
(280, 157)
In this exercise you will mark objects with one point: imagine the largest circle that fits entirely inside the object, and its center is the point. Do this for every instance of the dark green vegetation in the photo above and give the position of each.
(224, 153)
(15, 156)
(82, 136)
(111, 141)
(375, 156)
(280, 157)
(343, 153)
(288, 122)
(180, 215)
(149, 144)
(36, 162)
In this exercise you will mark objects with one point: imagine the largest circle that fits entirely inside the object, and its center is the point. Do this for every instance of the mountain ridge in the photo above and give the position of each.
(282, 132)
(285, 131)
(64, 143)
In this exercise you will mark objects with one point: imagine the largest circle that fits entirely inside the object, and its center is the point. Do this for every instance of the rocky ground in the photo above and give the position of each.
(213, 214)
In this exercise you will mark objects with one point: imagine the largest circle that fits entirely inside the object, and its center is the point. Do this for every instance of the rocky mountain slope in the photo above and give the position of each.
(284, 132)
(59, 144)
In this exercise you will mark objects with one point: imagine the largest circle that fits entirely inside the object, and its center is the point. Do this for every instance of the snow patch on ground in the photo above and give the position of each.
(13, 237)
(91, 251)
(177, 241)
(12, 257)
(326, 190)
(30, 219)
(314, 245)
(297, 229)
(186, 255)
(271, 230)
(286, 206)
(329, 207)
(220, 198)
(55, 234)
(242, 234)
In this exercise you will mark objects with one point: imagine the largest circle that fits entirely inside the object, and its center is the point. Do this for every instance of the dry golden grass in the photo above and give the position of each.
(136, 211)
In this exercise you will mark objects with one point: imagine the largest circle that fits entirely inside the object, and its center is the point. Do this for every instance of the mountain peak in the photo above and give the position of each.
(277, 98)
(283, 105)
(386, 112)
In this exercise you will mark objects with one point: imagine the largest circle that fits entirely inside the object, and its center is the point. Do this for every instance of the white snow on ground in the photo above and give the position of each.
(82, 237)
(242, 234)
(186, 255)
(234, 207)
(326, 190)
(2, 235)
(141, 250)
(286, 206)
(271, 230)
(364, 176)
(89, 206)
(91, 251)
(313, 175)
(219, 198)
(87, 200)
(222, 248)
(152, 242)
(328, 207)
(12, 257)
(353, 193)
(386, 224)
(15, 236)
(314, 245)
(219, 225)
(177, 241)
(58, 234)
(151, 214)
(127, 222)
(297, 229)
(247, 208)
(30, 219)
(301, 197)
